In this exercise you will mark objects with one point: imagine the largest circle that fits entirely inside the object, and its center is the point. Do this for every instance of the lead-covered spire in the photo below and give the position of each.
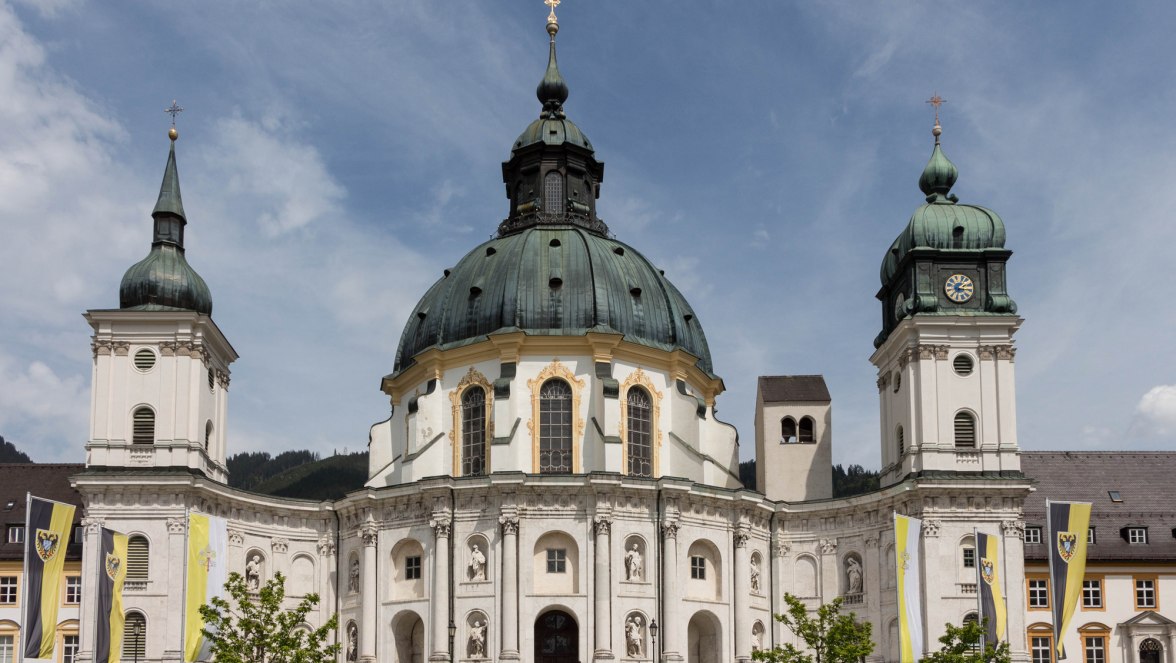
(553, 89)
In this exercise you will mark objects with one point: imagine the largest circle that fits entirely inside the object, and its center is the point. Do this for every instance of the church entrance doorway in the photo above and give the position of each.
(1150, 651)
(409, 633)
(702, 639)
(557, 638)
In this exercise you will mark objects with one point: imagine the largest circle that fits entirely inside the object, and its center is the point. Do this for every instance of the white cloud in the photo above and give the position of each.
(40, 404)
(1155, 415)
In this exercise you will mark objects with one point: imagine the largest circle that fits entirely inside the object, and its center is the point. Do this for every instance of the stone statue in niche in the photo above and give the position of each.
(755, 575)
(353, 576)
(477, 644)
(633, 636)
(253, 573)
(477, 564)
(352, 642)
(853, 574)
(633, 564)
(757, 638)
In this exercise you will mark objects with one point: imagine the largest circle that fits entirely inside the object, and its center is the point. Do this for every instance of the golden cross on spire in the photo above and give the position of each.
(936, 101)
(553, 4)
(173, 110)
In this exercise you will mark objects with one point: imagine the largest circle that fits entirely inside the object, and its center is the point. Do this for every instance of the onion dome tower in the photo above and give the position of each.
(161, 372)
(552, 296)
(945, 353)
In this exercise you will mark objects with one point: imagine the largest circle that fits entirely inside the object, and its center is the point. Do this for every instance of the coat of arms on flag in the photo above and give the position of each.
(48, 544)
(987, 570)
(113, 563)
(1067, 544)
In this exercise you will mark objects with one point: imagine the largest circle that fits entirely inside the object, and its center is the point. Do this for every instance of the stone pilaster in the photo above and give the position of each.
(91, 549)
(177, 530)
(602, 595)
(368, 588)
(439, 600)
(739, 592)
(510, 587)
(672, 636)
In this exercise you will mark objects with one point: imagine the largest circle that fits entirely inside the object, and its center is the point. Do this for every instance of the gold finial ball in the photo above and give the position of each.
(173, 134)
(552, 26)
(936, 130)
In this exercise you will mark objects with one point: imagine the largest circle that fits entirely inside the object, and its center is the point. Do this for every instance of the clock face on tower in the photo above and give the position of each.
(958, 288)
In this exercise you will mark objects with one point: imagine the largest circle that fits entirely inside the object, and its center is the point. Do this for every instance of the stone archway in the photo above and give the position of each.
(1151, 651)
(408, 631)
(703, 639)
(557, 638)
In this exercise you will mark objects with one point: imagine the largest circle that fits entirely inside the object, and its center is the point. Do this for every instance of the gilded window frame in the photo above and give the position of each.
(638, 378)
(472, 378)
(551, 371)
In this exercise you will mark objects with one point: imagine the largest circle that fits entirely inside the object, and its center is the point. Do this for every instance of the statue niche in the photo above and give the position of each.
(635, 559)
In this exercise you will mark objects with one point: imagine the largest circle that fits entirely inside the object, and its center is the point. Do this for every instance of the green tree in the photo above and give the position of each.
(961, 644)
(259, 630)
(828, 636)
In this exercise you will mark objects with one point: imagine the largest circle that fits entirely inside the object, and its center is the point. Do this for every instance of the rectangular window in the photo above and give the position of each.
(1136, 535)
(1041, 649)
(73, 590)
(69, 648)
(1115, 496)
(1038, 594)
(1145, 593)
(78, 533)
(698, 567)
(1092, 593)
(1032, 535)
(8, 590)
(7, 648)
(1095, 649)
(1090, 535)
(969, 558)
(16, 533)
(557, 560)
(412, 567)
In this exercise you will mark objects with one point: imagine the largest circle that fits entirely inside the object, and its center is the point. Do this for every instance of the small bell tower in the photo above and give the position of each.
(161, 365)
(945, 353)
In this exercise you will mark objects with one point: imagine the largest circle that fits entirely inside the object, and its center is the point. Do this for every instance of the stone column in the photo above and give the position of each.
(872, 589)
(440, 599)
(325, 586)
(602, 596)
(510, 588)
(739, 591)
(91, 551)
(830, 571)
(278, 547)
(780, 551)
(177, 530)
(1012, 576)
(671, 628)
(369, 589)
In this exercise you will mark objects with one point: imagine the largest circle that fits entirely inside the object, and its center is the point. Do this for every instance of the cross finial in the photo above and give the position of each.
(551, 19)
(173, 110)
(936, 101)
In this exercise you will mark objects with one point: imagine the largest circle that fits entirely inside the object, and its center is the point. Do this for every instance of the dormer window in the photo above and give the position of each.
(1136, 535)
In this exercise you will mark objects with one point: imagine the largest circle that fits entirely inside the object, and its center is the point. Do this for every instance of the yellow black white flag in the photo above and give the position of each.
(47, 528)
(992, 603)
(112, 571)
(1067, 523)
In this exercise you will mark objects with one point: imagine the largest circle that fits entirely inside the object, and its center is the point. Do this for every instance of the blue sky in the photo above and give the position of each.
(336, 157)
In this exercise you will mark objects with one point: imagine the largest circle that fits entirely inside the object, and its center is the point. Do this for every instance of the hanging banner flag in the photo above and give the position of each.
(112, 570)
(207, 573)
(47, 528)
(1068, 523)
(910, 588)
(992, 603)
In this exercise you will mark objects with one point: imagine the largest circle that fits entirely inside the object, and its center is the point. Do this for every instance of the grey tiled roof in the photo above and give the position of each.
(793, 388)
(1145, 481)
(50, 481)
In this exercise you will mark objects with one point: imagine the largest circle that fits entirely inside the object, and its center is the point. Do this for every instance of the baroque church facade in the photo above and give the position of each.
(552, 480)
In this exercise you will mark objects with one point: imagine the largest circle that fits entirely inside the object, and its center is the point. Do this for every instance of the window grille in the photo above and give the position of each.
(1092, 594)
(1041, 647)
(7, 648)
(8, 590)
(16, 533)
(807, 431)
(137, 558)
(1038, 593)
(1136, 535)
(134, 646)
(473, 432)
(962, 364)
(698, 567)
(144, 360)
(553, 195)
(1032, 535)
(412, 567)
(69, 648)
(901, 442)
(557, 560)
(1145, 593)
(211, 380)
(555, 428)
(965, 431)
(969, 558)
(639, 417)
(1095, 648)
(73, 590)
(143, 428)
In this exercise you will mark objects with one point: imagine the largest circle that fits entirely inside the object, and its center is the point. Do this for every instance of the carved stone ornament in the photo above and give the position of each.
(167, 348)
(236, 537)
(280, 545)
(441, 527)
(1006, 352)
(510, 525)
(986, 351)
(670, 529)
(741, 539)
(872, 540)
(602, 525)
(926, 352)
(121, 348)
(222, 378)
(326, 547)
(828, 546)
(177, 525)
(369, 535)
(884, 381)
(93, 525)
(100, 348)
(781, 549)
(1013, 528)
(905, 358)
(930, 528)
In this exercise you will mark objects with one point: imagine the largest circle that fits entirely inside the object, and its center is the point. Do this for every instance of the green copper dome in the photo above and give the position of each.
(561, 281)
(164, 281)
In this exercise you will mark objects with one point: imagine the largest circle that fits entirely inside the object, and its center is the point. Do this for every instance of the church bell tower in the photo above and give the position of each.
(945, 353)
(161, 365)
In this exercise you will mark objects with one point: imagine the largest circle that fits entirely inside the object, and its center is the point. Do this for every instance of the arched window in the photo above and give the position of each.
(553, 194)
(555, 428)
(965, 431)
(787, 430)
(473, 432)
(134, 645)
(640, 432)
(207, 435)
(137, 558)
(143, 426)
(807, 431)
(901, 442)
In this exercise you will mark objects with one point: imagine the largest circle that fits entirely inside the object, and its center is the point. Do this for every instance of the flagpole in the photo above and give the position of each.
(24, 579)
(184, 593)
(977, 562)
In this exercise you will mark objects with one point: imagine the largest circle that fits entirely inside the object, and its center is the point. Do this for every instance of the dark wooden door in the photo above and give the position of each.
(557, 638)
